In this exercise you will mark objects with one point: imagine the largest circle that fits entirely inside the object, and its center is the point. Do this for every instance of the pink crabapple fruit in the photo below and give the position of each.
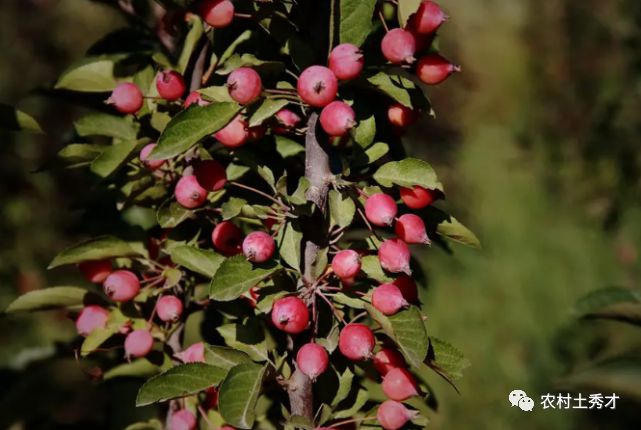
(91, 317)
(399, 46)
(183, 420)
(189, 193)
(346, 264)
(194, 97)
(434, 69)
(317, 86)
(428, 18)
(244, 85)
(346, 61)
(95, 271)
(418, 197)
(290, 314)
(193, 354)
(408, 288)
(388, 299)
(234, 134)
(380, 209)
(169, 308)
(126, 98)
(394, 256)
(259, 246)
(287, 121)
(401, 116)
(144, 157)
(337, 119)
(121, 286)
(411, 229)
(356, 342)
(217, 13)
(312, 359)
(210, 174)
(399, 384)
(138, 343)
(170, 85)
(227, 238)
(387, 359)
(393, 415)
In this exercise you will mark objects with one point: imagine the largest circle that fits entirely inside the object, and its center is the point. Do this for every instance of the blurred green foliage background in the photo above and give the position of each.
(537, 143)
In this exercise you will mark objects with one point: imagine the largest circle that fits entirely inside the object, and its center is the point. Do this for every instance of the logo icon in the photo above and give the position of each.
(520, 398)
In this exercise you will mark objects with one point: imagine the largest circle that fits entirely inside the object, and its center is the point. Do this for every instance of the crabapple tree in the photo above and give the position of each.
(261, 143)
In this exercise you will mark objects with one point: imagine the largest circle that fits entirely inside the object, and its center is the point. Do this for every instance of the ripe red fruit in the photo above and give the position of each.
(287, 120)
(95, 271)
(401, 116)
(387, 359)
(428, 18)
(244, 85)
(411, 229)
(170, 85)
(234, 134)
(317, 86)
(121, 286)
(169, 308)
(388, 299)
(290, 314)
(195, 97)
(356, 342)
(337, 119)
(380, 209)
(418, 197)
(144, 155)
(399, 385)
(259, 246)
(138, 343)
(126, 98)
(346, 264)
(210, 175)
(346, 61)
(194, 354)
(434, 69)
(394, 256)
(393, 415)
(227, 238)
(399, 46)
(312, 359)
(217, 13)
(91, 317)
(182, 420)
(408, 288)
(189, 193)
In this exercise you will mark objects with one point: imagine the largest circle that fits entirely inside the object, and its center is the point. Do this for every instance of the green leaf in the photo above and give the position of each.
(299, 422)
(137, 368)
(232, 208)
(365, 132)
(406, 328)
(248, 337)
(620, 375)
(236, 276)
(370, 155)
(361, 398)
(203, 261)
(231, 49)
(371, 266)
(113, 157)
(407, 173)
(92, 74)
(219, 93)
(249, 60)
(266, 109)
(454, 230)
(345, 383)
(236, 171)
(102, 124)
(224, 357)
(180, 381)
(196, 31)
(405, 9)
(352, 302)
(48, 298)
(13, 119)
(171, 215)
(191, 125)
(289, 245)
(239, 393)
(97, 338)
(287, 147)
(341, 209)
(152, 424)
(94, 249)
(80, 153)
(619, 304)
(355, 20)
(400, 89)
(445, 358)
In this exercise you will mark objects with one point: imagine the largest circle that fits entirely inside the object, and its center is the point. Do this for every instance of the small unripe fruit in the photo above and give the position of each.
(428, 18)
(126, 98)
(346, 264)
(95, 271)
(189, 193)
(244, 85)
(234, 134)
(337, 119)
(434, 69)
(194, 354)
(393, 415)
(408, 288)
(401, 116)
(418, 197)
(194, 97)
(138, 343)
(259, 246)
(399, 46)
(290, 314)
(380, 209)
(170, 85)
(182, 420)
(317, 86)
(346, 61)
(387, 359)
(91, 317)
(312, 359)
(287, 120)
(210, 175)
(227, 238)
(356, 342)
(411, 229)
(169, 308)
(217, 13)
(394, 256)
(121, 286)
(399, 385)
(144, 155)
(388, 299)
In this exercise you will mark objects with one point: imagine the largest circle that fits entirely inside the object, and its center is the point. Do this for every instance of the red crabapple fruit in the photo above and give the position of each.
(217, 13)
(290, 314)
(401, 116)
(169, 308)
(244, 85)
(234, 134)
(312, 359)
(170, 85)
(182, 420)
(411, 229)
(317, 86)
(434, 69)
(418, 197)
(337, 118)
(95, 271)
(189, 193)
(91, 317)
(408, 288)
(399, 46)
(346, 61)
(393, 415)
(399, 384)
(194, 97)
(380, 209)
(121, 286)
(388, 299)
(428, 18)
(259, 246)
(356, 342)
(210, 175)
(346, 264)
(387, 359)
(194, 354)
(227, 238)
(138, 343)
(287, 120)
(126, 98)
(394, 256)
(144, 157)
